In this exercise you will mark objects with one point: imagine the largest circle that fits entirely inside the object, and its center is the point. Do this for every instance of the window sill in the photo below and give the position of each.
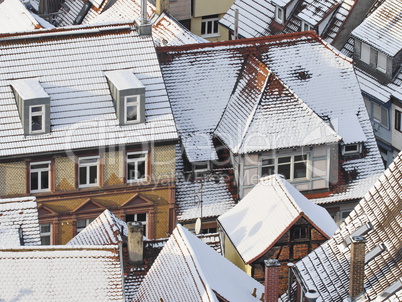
(210, 36)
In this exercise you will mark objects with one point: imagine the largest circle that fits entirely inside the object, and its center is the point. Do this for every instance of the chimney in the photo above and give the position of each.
(271, 280)
(357, 260)
(311, 296)
(145, 27)
(135, 242)
(236, 25)
(162, 6)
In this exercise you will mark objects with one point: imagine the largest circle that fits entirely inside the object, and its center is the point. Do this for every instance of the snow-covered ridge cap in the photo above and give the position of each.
(61, 248)
(69, 30)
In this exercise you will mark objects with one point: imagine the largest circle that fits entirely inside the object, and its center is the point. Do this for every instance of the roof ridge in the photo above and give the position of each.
(282, 185)
(196, 263)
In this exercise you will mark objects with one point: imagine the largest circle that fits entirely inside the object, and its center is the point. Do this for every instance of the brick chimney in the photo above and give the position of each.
(135, 244)
(357, 260)
(162, 6)
(271, 280)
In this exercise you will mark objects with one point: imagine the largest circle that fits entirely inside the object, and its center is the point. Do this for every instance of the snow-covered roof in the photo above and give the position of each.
(19, 217)
(201, 78)
(256, 18)
(14, 17)
(70, 65)
(266, 212)
(61, 273)
(383, 28)
(263, 122)
(189, 270)
(106, 229)
(166, 30)
(379, 217)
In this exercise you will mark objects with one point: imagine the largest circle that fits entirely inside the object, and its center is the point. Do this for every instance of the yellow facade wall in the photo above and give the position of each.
(163, 162)
(13, 178)
(210, 7)
(196, 29)
(113, 168)
(65, 173)
(232, 255)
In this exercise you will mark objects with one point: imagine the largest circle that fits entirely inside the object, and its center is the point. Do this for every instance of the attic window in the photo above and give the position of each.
(305, 26)
(33, 106)
(128, 95)
(279, 14)
(351, 149)
(201, 169)
(360, 232)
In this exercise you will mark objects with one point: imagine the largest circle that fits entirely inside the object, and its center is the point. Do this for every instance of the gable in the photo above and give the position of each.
(137, 201)
(88, 206)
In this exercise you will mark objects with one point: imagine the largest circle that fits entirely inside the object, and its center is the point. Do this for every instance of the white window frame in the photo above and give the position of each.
(342, 219)
(39, 171)
(381, 62)
(200, 172)
(133, 103)
(306, 26)
(87, 167)
(355, 151)
(279, 14)
(212, 33)
(292, 165)
(87, 221)
(46, 234)
(365, 53)
(33, 114)
(136, 161)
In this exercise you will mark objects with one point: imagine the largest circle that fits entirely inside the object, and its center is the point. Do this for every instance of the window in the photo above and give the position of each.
(83, 223)
(292, 167)
(45, 234)
(141, 217)
(39, 177)
(131, 108)
(209, 26)
(380, 114)
(37, 119)
(365, 53)
(136, 166)
(279, 15)
(299, 232)
(305, 26)
(351, 148)
(343, 215)
(88, 171)
(201, 169)
(398, 118)
(381, 62)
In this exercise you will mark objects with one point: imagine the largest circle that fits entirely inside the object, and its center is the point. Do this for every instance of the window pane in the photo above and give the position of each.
(142, 217)
(351, 148)
(130, 171)
(381, 62)
(300, 170)
(141, 169)
(34, 180)
(300, 157)
(136, 155)
(365, 53)
(377, 112)
(39, 166)
(132, 113)
(384, 117)
(284, 170)
(203, 26)
(201, 166)
(45, 240)
(88, 161)
(215, 26)
(93, 171)
(265, 171)
(83, 176)
(36, 123)
(36, 109)
(45, 180)
(268, 161)
(82, 223)
(45, 228)
(284, 159)
(209, 25)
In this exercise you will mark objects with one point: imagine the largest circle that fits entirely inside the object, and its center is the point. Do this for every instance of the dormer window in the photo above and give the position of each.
(33, 106)
(351, 149)
(201, 169)
(279, 14)
(381, 62)
(305, 26)
(128, 95)
(365, 53)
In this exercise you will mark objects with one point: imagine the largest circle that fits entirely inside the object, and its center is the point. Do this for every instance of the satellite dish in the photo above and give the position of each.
(198, 226)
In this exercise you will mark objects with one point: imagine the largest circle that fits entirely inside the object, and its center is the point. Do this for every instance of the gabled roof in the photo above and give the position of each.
(70, 65)
(188, 270)
(19, 223)
(61, 273)
(201, 78)
(256, 18)
(382, 29)
(106, 229)
(14, 17)
(257, 117)
(269, 210)
(166, 30)
(327, 268)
